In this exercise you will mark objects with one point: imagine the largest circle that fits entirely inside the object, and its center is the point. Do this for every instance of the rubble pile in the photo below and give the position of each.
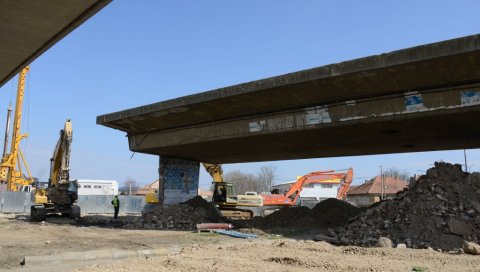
(440, 211)
(183, 216)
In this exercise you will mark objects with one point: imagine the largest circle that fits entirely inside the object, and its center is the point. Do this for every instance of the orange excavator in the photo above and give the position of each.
(290, 198)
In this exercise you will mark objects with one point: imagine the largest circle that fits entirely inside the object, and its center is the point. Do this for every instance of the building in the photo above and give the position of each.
(97, 187)
(205, 194)
(147, 188)
(371, 191)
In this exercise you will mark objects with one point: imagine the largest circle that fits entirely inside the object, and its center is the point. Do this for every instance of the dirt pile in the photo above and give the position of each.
(183, 216)
(285, 217)
(328, 213)
(332, 213)
(440, 210)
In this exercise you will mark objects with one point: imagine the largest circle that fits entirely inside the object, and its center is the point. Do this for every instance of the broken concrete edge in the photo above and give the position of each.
(398, 57)
(95, 255)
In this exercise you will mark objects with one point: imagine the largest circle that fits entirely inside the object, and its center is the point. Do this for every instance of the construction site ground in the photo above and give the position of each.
(190, 251)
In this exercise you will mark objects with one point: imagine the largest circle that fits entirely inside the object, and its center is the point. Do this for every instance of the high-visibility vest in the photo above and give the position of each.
(116, 202)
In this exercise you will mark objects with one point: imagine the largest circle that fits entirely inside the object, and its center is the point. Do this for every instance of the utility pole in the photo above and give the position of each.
(465, 157)
(7, 131)
(381, 179)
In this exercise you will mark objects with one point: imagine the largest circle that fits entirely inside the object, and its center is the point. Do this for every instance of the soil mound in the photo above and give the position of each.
(328, 213)
(440, 210)
(183, 216)
(201, 205)
(285, 217)
(333, 213)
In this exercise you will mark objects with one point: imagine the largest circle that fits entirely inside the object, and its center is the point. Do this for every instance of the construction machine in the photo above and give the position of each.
(11, 164)
(291, 197)
(61, 194)
(226, 199)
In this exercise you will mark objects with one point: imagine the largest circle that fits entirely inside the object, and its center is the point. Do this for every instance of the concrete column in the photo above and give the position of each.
(178, 180)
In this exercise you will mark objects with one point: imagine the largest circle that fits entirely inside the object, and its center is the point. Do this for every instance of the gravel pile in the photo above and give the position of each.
(183, 216)
(440, 211)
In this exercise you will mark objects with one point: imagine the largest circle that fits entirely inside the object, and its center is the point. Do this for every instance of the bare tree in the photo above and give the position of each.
(130, 185)
(397, 174)
(265, 177)
(244, 182)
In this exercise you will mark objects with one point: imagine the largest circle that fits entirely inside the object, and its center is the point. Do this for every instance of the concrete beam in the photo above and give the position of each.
(29, 28)
(443, 64)
(383, 125)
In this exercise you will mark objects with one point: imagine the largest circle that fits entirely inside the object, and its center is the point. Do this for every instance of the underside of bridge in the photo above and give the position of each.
(417, 99)
(28, 28)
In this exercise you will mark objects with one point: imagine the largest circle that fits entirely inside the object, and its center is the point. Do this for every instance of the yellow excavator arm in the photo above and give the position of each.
(215, 171)
(60, 161)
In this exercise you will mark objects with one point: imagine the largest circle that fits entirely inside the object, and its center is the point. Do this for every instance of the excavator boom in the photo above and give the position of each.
(59, 168)
(347, 181)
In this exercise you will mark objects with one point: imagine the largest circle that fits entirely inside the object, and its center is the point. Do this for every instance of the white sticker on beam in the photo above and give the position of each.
(413, 102)
(257, 126)
(470, 98)
(317, 115)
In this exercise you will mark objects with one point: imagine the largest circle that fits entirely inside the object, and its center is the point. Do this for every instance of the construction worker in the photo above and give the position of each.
(116, 206)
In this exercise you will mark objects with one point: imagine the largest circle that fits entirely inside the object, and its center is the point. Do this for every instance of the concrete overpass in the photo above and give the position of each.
(29, 28)
(417, 99)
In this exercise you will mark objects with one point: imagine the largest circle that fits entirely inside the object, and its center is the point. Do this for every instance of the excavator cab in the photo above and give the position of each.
(224, 194)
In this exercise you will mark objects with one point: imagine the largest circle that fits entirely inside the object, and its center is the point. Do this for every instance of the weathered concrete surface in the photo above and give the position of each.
(417, 99)
(28, 28)
(91, 256)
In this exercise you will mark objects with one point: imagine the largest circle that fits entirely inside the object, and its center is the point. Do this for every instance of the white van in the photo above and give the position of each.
(97, 187)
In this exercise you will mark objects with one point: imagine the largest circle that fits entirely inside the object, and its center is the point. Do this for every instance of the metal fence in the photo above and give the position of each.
(19, 202)
(14, 202)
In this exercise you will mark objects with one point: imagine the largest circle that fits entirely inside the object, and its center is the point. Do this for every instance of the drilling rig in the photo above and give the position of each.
(11, 164)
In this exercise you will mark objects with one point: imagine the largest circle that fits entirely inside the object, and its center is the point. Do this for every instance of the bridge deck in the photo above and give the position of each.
(416, 99)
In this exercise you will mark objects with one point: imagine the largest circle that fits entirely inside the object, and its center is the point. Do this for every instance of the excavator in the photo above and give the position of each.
(226, 199)
(61, 194)
(291, 197)
(11, 163)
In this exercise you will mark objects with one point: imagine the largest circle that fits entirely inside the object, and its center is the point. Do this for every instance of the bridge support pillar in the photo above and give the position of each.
(178, 180)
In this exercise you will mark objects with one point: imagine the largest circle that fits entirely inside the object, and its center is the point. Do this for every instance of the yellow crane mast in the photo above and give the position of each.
(11, 164)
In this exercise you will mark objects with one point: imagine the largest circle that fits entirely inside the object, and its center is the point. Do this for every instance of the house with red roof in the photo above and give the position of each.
(371, 191)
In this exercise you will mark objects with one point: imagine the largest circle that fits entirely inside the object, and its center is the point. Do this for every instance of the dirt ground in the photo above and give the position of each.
(203, 251)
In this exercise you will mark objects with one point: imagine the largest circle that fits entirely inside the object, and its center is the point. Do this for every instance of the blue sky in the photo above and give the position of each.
(134, 53)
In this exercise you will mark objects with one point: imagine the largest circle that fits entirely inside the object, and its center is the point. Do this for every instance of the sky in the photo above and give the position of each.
(134, 53)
